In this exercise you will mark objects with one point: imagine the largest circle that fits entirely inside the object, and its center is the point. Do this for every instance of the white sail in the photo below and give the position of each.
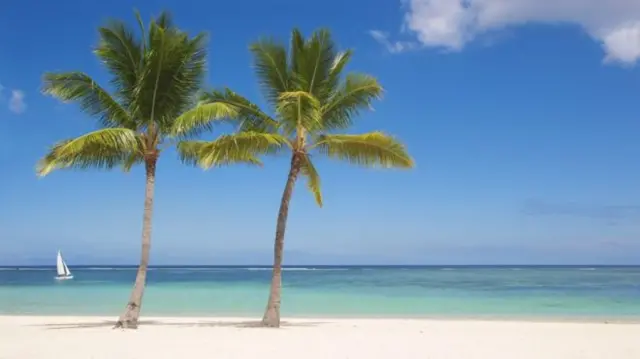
(60, 266)
(66, 269)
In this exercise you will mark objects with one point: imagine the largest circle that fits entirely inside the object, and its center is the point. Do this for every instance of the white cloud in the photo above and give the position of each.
(16, 102)
(451, 24)
(623, 44)
(393, 47)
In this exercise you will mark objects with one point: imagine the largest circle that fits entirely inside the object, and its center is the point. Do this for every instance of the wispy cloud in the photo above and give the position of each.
(452, 24)
(17, 102)
(392, 46)
(610, 213)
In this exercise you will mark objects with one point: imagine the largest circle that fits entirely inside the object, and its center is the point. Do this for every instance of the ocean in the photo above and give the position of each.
(491, 292)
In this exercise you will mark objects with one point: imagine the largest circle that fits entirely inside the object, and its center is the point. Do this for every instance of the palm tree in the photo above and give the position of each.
(310, 100)
(154, 79)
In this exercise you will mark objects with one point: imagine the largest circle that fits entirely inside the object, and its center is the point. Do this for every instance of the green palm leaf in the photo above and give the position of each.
(249, 116)
(93, 99)
(230, 149)
(133, 159)
(104, 148)
(369, 149)
(350, 98)
(122, 54)
(296, 58)
(313, 61)
(189, 151)
(313, 179)
(174, 71)
(270, 63)
(340, 61)
(201, 118)
(200, 153)
(299, 110)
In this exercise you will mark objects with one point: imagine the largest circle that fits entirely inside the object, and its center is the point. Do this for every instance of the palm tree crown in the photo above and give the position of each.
(154, 79)
(310, 99)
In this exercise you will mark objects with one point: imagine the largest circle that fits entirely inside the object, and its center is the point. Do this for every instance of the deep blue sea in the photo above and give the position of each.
(572, 292)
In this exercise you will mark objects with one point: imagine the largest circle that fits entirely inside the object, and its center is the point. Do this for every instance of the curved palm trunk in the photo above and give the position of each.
(129, 319)
(271, 316)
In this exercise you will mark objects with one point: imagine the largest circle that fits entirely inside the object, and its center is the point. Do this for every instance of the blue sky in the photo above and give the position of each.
(525, 138)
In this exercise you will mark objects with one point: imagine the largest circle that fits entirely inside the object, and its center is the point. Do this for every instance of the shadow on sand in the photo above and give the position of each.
(204, 323)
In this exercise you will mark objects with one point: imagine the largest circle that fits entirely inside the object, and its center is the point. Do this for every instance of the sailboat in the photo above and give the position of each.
(63, 270)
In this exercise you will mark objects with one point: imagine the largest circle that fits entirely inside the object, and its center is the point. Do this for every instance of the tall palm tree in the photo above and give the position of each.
(310, 99)
(155, 77)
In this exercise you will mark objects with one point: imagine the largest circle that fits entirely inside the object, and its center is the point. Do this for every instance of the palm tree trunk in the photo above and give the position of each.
(271, 316)
(129, 319)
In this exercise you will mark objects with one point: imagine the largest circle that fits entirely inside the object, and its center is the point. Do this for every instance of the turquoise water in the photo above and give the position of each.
(527, 292)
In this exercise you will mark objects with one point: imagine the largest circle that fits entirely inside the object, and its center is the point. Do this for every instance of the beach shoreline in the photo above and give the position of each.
(337, 318)
(81, 337)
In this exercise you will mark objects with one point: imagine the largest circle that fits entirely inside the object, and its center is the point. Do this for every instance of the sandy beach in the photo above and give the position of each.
(159, 338)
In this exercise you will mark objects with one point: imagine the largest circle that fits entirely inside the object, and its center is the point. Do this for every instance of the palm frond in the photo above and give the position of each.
(105, 148)
(314, 64)
(313, 179)
(296, 57)
(369, 149)
(189, 152)
(131, 160)
(229, 149)
(143, 31)
(165, 20)
(122, 54)
(199, 153)
(354, 95)
(249, 116)
(93, 99)
(174, 68)
(201, 118)
(271, 67)
(299, 109)
(340, 61)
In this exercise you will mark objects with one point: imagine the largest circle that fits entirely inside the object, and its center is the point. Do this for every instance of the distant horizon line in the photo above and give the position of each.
(241, 266)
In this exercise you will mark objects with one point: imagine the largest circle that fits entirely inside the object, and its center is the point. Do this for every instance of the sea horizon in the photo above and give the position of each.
(528, 292)
(381, 266)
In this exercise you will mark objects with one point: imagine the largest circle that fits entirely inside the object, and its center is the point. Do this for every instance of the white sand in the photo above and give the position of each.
(184, 338)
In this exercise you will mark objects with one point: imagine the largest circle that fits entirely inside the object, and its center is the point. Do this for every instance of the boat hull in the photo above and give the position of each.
(64, 277)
